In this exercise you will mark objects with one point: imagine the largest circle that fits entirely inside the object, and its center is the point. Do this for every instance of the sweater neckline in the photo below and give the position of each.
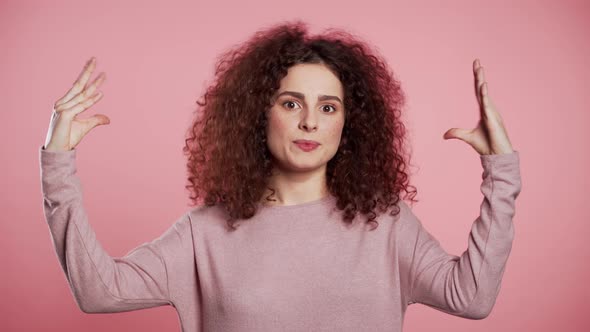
(322, 201)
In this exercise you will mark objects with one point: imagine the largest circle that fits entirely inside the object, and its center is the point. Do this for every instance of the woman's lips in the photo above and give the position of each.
(306, 146)
(306, 141)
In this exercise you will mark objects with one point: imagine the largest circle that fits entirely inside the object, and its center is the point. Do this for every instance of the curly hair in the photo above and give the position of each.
(227, 138)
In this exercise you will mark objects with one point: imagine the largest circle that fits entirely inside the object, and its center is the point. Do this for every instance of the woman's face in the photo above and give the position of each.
(307, 106)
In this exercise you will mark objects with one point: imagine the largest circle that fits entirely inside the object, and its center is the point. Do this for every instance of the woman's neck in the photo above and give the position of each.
(295, 188)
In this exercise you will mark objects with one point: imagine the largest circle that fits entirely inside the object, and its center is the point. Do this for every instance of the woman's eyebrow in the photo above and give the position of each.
(302, 97)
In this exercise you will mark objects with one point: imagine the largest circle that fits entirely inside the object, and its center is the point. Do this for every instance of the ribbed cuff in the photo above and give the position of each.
(500, 159)
(56, 157)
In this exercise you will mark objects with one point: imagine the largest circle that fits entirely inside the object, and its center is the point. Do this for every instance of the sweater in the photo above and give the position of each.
(288, 268)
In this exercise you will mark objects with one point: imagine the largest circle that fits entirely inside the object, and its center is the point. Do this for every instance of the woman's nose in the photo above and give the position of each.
(309, 121)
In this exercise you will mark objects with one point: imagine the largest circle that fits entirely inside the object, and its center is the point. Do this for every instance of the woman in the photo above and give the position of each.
(298, 138)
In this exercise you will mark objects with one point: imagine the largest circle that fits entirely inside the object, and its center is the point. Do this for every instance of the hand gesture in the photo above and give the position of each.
(65, 130)
(489, 137)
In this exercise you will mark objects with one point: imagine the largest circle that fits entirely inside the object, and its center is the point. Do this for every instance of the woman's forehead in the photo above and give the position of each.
(312, 81)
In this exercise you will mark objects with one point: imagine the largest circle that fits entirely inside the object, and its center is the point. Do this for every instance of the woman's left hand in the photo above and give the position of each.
(489, 137)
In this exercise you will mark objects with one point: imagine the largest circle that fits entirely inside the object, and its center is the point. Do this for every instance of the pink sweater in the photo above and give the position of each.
(290, 268)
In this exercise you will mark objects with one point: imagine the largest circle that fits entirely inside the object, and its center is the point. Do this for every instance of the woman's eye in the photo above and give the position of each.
(334, 108)
(290, 103)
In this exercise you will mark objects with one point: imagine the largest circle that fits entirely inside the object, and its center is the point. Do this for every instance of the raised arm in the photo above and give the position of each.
(99, 282)
(467, 285)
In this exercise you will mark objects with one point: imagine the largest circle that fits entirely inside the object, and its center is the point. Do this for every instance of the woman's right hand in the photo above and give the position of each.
(65, 130)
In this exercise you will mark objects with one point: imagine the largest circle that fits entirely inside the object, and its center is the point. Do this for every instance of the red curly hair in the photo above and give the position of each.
(227, 139)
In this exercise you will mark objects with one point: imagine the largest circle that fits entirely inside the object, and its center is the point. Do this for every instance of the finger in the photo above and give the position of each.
(80, 82)
(480, 80)
(476, 66)
(84, 105)
(480, 76)
(84, 94)
(484, 93)
(488, 108)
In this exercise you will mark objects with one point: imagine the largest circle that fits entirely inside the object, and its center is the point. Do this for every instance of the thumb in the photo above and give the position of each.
(93, 121)
(457, 133)
(101, 119)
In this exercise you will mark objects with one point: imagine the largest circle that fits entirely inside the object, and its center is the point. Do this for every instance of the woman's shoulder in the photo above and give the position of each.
(204, 211)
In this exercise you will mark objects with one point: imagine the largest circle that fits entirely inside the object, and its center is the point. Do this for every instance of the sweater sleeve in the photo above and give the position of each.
(101, 283)
(467, 285)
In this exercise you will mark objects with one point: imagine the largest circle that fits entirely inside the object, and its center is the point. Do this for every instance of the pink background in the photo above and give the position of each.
(159, 58)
